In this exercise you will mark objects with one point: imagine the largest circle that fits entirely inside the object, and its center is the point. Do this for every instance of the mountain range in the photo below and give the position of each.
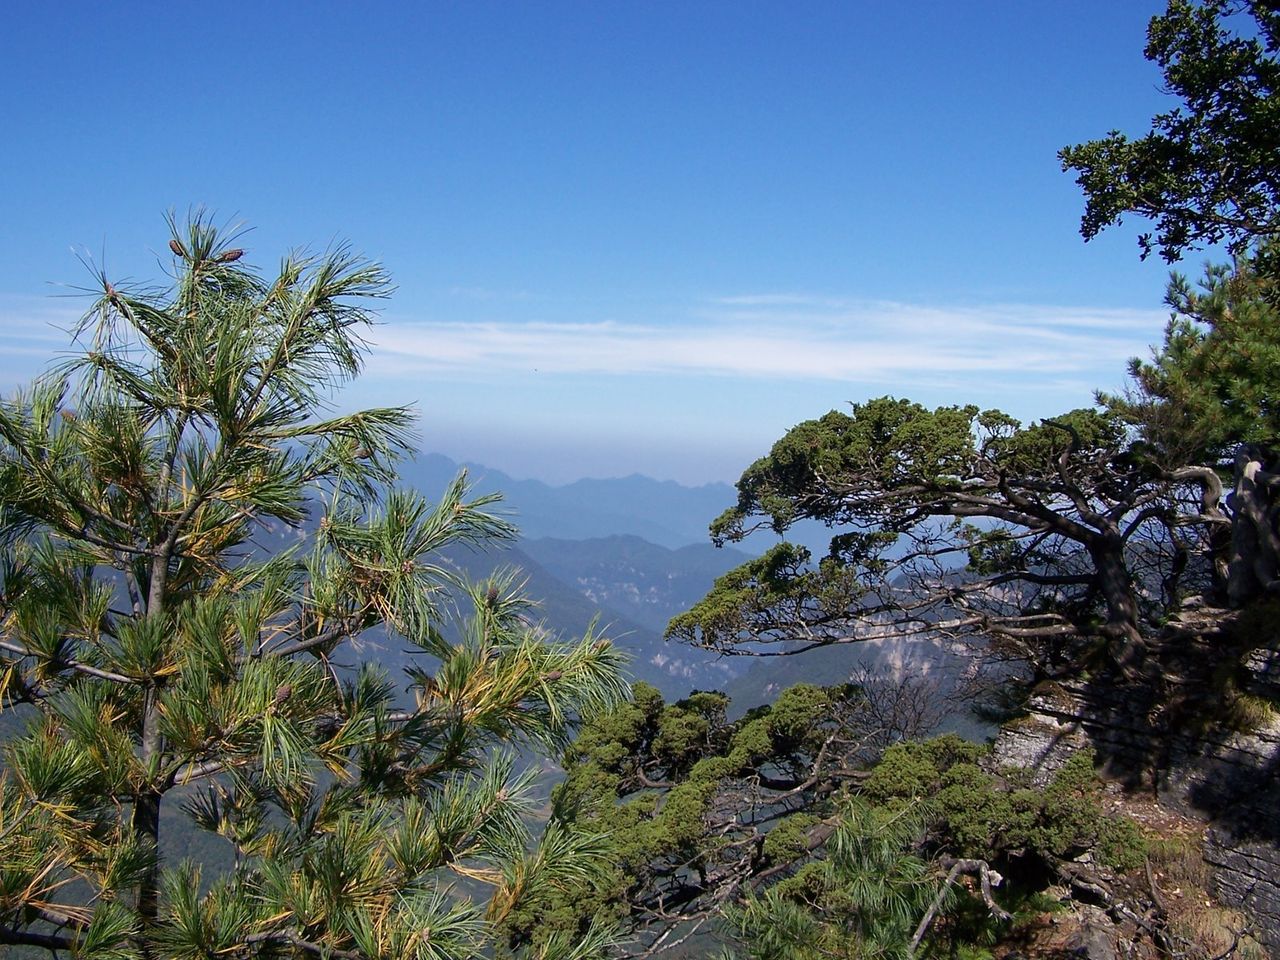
(599, 566)
(660, 511)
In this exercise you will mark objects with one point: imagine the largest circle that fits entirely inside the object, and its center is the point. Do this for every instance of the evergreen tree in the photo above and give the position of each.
(193, 557)
(1035, 540)
(1205, 409)
(864, 900)
(1208, 172)
(1205, 173)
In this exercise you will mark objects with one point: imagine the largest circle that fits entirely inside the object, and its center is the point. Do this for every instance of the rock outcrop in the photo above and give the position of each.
(1174, 738)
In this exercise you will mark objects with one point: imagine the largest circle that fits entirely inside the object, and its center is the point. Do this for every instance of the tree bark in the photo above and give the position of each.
(146, 803)
(1116, 586)
(146, 809)
(1255, 546)
(1219, 524)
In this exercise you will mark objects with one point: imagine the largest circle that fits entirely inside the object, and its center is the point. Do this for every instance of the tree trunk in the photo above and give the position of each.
(1116, 586)
(1255, 546)
(146, 808)
(146, 823)
(146, 804)
(1218, 529)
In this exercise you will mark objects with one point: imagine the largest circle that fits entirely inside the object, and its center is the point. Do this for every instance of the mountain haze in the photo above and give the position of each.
(648, 582)
(660, 511)
(632, 586)
(567, 608)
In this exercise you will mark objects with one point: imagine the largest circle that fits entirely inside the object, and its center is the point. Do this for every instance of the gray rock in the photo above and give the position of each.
(1227, 778)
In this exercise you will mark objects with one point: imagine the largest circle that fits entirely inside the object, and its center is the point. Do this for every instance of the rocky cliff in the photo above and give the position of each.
(1199, 737)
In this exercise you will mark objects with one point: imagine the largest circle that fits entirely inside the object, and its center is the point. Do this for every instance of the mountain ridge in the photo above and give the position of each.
(662, 512)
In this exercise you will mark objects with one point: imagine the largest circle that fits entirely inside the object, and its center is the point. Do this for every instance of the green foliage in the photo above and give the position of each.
(890, 446)
(1213, 382)
(789, 841)
(1206, 172)
(864, 899)
(1121, 843)
(773, 585)
(690, 800)
(798, 846)
(194, 557)
(889, 443)
(981, 815)
(914, 770)
(688, 730)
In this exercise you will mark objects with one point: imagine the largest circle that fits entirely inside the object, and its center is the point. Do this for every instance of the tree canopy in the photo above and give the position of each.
(199, 568)
(809, 827)
(1206, 173)
(956, 522)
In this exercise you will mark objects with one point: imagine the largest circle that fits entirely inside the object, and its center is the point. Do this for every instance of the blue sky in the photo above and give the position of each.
(641, 237)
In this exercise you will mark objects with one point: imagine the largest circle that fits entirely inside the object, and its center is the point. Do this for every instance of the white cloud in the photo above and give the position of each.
(779, 337)
(789, 337)
(39, 319)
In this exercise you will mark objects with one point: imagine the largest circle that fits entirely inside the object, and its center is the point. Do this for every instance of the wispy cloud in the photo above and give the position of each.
(784, 337)
(39, 318)
(33, 332)
(790, 337)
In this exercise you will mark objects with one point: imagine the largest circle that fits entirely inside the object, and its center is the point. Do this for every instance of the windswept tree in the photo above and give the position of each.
(952, 522)
(193, 556)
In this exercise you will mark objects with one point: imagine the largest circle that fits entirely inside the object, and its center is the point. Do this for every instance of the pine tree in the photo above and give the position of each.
(863, 900)
(193, 557)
